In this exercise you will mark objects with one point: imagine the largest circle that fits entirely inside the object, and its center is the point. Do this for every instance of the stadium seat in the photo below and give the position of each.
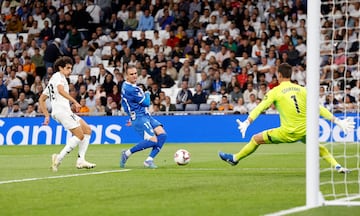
(149, 34)
(204, 107)
(73, 78)
(191, 107)
(179, 107)
(123, 35)
(216, 98)
(94, 71)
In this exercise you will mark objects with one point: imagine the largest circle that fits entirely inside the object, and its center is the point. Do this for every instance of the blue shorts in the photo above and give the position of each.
(145, 125)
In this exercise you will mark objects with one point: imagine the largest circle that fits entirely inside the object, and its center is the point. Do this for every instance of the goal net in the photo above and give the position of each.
(340, 93)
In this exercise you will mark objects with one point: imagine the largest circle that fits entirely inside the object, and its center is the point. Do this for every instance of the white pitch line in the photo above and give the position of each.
(62, 176)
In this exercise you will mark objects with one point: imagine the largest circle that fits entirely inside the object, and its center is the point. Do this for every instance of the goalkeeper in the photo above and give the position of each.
(290, 101)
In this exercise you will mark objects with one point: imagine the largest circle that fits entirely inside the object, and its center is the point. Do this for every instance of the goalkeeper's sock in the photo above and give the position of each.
(142, 145)
(156, 149)
(83, 146)
(70, 145)
(324, 153)
(246, 150)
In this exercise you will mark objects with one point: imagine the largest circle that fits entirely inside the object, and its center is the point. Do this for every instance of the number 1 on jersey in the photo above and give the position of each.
(296, 103)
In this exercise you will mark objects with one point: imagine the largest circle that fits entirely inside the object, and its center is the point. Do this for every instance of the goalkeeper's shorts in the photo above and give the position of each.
(279, 135)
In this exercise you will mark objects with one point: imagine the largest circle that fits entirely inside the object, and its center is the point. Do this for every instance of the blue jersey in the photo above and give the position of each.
(134, 100)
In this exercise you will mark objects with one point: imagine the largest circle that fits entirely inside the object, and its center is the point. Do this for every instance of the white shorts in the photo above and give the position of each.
(68, 119)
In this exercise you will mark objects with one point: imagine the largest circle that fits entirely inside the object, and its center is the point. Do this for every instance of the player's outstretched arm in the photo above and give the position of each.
(42, 104)
(346, 124)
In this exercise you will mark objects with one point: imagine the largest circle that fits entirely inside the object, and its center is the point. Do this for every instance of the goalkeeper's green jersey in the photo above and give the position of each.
(290, 101)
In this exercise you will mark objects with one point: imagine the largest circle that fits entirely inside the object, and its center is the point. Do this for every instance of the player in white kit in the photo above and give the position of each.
(57, 91)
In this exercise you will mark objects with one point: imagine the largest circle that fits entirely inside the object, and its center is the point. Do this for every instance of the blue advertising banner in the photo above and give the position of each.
(180, 129)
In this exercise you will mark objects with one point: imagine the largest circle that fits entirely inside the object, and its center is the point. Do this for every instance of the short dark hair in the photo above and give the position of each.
(62, 62)
(285, 70)
(129, 67)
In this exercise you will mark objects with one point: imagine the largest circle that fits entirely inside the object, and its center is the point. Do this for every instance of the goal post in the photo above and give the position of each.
(324, 186)
(312, 107)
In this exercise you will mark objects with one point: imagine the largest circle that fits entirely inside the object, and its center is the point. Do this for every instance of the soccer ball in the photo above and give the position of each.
(182, 157)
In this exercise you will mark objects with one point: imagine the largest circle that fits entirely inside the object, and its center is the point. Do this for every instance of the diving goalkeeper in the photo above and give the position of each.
(290, 101)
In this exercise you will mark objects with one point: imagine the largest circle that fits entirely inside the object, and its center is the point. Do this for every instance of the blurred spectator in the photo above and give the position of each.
(114, 111)
(84, 109)
(131, 22)
(14, 25)
(90, 100)
(235, 94)
(8, 108)
(37, 82)
(79, 66)
(123, 13)
(217, 84)
(99, 109)
(154, 89)
(205, 82)
(252, 102)
(184, 96)
(13, 84)
(95, 14)
(39, 63)
(108, 84)
(3, 90)
(30, 111)
(168, 107)
(225, 105)
(213, 106)
(81, 19)
(46, 33)
(199, 96)
(52, 52)
(29, 95)
(15, 112)
(33, 32)
(240, 107)
(115, 94)
(92, 60)
(72, 40)
(163, 79)
(249, 90)
(30, 68)
(146, 21)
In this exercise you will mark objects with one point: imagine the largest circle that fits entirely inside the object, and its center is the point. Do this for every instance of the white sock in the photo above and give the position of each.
(83, 146)
(128, 153)
(149, 158)
(70, 145)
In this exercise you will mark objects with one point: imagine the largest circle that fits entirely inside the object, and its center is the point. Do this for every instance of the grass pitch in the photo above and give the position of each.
(270, 180)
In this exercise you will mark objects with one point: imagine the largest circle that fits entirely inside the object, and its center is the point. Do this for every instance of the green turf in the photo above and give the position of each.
(270, 180)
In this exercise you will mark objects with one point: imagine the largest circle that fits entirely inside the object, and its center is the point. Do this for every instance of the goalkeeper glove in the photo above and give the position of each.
(243, 126)
(346, 124)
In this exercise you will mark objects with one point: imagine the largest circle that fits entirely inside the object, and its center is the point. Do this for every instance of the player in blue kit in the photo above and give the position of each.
(135, 103)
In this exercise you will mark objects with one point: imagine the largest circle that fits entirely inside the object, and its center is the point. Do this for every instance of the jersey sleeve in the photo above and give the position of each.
(325, 113)
(46, 91)
(263, 105)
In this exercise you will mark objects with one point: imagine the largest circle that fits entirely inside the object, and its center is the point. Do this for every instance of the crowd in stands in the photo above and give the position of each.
(213, 56)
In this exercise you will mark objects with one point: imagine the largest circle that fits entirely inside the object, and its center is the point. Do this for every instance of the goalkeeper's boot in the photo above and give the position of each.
(54, 162)
(341, 169)
(229, 158)
(81, 163)
(123, 159)
(150, 164)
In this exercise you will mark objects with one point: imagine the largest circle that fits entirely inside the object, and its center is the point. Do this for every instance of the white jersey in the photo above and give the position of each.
(58, 102)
